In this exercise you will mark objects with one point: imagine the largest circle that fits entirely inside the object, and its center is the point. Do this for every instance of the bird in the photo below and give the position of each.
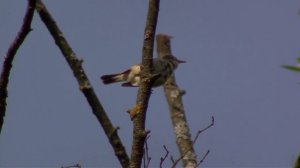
(163, 68)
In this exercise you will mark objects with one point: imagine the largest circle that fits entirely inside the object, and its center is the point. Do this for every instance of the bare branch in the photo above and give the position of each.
(203, 158)
(76, 165)
(206, 128)
(146, 158)
(162, 159)
(175, 162)
(143, 95)
(172, 160)
(174, 98)
(10, 55)
(84, 84)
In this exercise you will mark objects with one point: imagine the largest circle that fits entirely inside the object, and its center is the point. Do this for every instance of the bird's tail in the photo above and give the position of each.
(108, 79)
(113, 78)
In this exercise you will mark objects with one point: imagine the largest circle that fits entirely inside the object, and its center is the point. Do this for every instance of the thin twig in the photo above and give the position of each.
(175, 162)
(203, 158)
(146, 158)
(76, 165)
(206, 128)
(84, 84)
(172, 159)
(12, 50)
(162, 159)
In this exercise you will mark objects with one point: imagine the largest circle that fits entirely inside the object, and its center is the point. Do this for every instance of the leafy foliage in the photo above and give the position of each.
(293, 68)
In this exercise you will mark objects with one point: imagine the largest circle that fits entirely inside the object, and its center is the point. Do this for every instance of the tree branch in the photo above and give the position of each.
(139, 133)
(203, 158)
(10, 55)
(162, 159)
(174, 98)
(84, 84)
(206, 128)
(72, 166)
(146, 157)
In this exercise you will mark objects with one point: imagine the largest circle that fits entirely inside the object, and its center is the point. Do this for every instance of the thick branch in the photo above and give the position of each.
(173, 95)
(139, 133)
(10, 55)
(84, 84)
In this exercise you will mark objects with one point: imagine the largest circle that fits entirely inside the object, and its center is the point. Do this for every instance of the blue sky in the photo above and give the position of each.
(234, 50)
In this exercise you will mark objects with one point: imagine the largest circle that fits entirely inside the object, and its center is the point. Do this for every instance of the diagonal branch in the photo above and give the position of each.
(10, 55)
(204, 129)
(174, 99)
(84, 84)
(139, 133)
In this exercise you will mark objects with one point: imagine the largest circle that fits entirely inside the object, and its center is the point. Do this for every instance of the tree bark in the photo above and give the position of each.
(174, 98)
(10, 55)
(143, 95)
(84, 84)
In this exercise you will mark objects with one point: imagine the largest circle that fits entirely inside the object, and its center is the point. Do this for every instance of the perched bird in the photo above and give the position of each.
(163, 68)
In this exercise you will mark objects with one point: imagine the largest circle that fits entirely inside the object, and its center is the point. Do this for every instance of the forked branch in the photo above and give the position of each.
(162, 159)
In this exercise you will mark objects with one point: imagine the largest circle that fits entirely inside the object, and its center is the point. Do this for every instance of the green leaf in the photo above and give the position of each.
(297, 162)
(292, 68)
(298, 59)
